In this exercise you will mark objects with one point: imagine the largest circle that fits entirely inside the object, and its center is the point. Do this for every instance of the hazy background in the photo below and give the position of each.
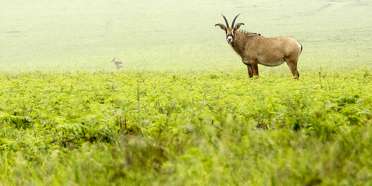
(176, 35)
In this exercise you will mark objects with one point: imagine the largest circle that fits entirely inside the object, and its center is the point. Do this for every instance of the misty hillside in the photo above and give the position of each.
(175, 35)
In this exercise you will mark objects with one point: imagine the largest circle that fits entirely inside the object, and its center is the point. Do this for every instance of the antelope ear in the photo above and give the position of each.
(223, 27)
(238, 26)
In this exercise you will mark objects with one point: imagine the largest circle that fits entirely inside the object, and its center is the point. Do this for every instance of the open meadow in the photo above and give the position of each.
(182, 111)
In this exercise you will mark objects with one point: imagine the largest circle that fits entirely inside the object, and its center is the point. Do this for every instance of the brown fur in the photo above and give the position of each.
(256, 49)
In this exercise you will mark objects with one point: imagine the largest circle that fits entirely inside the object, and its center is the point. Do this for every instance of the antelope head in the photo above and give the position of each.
(230, 31)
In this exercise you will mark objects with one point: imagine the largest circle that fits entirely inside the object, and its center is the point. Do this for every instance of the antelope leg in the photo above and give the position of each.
(255, 70)
(250, 70)
(293, 67)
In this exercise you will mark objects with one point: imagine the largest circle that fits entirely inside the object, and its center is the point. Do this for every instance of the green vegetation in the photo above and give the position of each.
(185, 129)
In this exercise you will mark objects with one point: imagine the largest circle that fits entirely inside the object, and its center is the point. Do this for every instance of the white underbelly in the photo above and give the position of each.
(271, 63)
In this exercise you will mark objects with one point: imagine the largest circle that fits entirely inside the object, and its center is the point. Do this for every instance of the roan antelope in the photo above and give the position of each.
(256, 49)
(118, 63)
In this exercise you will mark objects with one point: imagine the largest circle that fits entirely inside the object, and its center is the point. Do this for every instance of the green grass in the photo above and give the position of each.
(210, 128)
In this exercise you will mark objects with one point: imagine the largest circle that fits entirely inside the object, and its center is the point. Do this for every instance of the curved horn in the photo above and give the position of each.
(227, 23)
(233, 22)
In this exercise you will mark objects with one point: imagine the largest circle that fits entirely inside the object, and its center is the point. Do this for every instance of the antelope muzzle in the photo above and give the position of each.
(229, 38)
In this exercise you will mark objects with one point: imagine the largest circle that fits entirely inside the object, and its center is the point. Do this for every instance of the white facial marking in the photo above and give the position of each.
(229, 39)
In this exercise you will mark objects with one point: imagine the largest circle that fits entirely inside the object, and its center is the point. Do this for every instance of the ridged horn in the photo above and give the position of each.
(226, 22)
(233, 22)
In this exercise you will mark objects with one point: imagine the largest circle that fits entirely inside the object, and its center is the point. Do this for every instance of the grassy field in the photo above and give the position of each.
(185, 129)
(182, 111)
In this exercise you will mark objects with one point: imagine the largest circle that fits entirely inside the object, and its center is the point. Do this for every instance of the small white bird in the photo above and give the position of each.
(118, 63)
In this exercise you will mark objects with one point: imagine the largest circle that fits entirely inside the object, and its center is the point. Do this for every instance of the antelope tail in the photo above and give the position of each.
(302, 47)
